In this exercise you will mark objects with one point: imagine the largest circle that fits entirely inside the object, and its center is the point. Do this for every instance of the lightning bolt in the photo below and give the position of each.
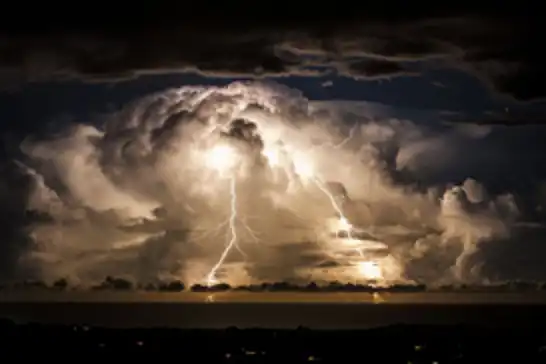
(232, 233)
(335, 206)
(232, 221)
(341, 144)
(231, 224)
(317, 181)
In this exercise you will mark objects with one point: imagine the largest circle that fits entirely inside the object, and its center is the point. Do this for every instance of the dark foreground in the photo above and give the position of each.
(314, 315)
(362, 330)
(396, 344)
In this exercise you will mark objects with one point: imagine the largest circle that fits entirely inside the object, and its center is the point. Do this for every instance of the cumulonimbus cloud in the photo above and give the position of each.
(139, 196)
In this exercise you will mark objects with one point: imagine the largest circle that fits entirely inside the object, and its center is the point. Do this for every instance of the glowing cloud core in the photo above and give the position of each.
(245, 183)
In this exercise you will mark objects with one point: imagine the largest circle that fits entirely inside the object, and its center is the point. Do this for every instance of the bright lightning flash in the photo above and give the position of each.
(221, 158)
(344, 223)
(305, 170)
(211, 277)
(369, 270)
(303, 166)
(272, 156)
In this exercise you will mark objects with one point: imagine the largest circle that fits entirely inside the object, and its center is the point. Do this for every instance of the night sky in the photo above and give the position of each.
(36, 104)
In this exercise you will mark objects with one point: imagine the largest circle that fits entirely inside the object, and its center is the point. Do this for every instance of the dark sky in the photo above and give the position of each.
(449, 60)
(37, 104)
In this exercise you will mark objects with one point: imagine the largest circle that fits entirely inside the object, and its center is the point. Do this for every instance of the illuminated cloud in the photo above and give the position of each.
(149, 194)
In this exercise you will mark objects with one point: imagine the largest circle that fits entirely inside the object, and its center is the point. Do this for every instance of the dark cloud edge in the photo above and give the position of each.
(258, 47)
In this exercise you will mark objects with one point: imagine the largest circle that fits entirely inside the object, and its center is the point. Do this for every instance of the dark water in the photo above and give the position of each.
(272, 315)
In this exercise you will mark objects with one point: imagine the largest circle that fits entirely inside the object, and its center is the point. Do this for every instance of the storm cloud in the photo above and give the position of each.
(138, 195)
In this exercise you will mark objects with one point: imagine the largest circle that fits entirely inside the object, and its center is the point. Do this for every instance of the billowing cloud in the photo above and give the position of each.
(503, 53)
(167, 183)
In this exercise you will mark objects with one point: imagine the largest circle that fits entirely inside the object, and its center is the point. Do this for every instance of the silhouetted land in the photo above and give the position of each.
(122, 284)
(396, 344)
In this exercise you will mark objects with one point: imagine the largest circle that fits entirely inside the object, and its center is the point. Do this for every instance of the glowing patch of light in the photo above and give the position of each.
(272, 156)
(221, 158)
(344, 224)
(377, 298)
(303, 166)
(369, 270)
